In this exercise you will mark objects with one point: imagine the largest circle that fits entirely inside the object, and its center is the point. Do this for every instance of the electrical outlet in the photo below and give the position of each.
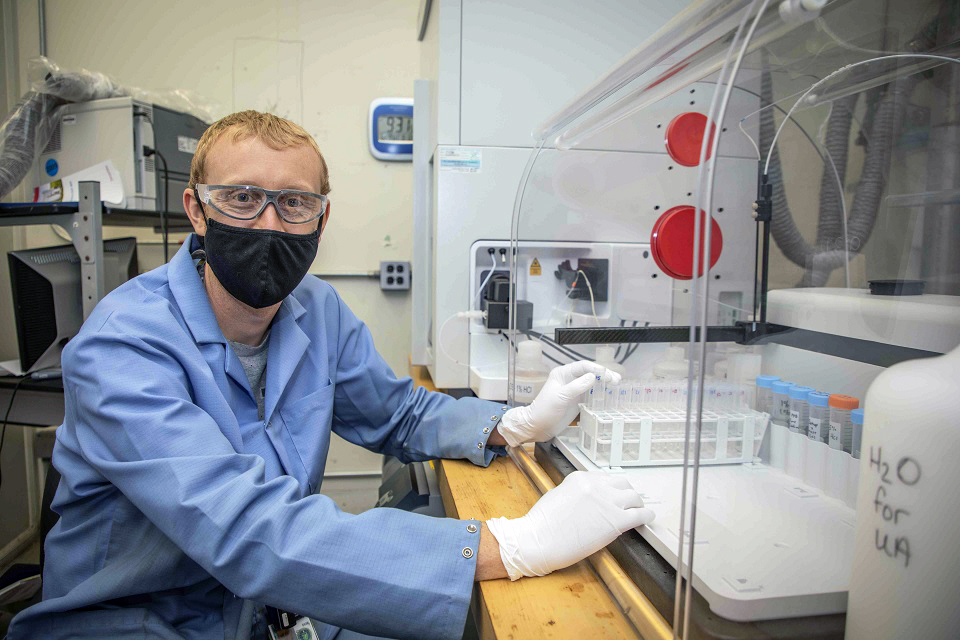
(394, 276)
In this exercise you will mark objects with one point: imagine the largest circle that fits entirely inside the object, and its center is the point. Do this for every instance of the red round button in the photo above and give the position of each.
(671, 242)
(685, 137)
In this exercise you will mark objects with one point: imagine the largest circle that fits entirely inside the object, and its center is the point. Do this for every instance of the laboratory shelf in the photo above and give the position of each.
(84, 221)
(20, 213)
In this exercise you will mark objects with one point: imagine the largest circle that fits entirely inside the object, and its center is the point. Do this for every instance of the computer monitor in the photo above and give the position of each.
(47, 303)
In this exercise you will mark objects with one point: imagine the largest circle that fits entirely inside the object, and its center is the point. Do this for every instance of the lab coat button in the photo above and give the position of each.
(471, 528)
(504, 408)
(494, 418)
(486, 429)
(479, 445)
(467, 552)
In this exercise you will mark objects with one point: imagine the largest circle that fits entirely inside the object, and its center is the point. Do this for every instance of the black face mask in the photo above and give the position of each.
(258, 267)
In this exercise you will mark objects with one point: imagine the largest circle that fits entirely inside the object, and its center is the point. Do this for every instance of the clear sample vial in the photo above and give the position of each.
(799, 409)
(765, 393)
(612, 401)
(780, 403)
(818, 421)
(649, 394)
(856, 424)
(841, 434)
(624, 396)
(596, 393)
(636, 395)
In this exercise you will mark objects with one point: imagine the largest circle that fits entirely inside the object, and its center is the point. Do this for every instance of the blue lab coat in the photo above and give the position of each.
(177, 503)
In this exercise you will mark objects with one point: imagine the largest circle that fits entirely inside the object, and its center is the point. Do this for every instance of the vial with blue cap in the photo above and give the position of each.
(799, 409)
(818, 416)
(780, 403)
(856, 421)
(765, 393)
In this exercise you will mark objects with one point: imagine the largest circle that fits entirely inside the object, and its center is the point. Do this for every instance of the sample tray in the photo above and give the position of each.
(767, 545)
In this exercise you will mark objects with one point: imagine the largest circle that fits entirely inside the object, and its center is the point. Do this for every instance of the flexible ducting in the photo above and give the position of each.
(819, 260)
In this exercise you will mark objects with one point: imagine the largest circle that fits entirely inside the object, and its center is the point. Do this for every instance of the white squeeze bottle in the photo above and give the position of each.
(531, 372)
(906, 567)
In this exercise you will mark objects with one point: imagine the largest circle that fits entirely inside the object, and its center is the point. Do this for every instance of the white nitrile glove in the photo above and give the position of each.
(585, 513)
(556, 404)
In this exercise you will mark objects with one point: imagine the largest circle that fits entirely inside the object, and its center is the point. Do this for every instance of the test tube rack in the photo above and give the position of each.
(655, 437)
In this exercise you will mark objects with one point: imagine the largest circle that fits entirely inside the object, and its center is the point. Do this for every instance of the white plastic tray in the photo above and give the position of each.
(767, 545)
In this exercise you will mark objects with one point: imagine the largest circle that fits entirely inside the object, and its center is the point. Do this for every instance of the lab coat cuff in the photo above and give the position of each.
(481, 454)
(461, 547)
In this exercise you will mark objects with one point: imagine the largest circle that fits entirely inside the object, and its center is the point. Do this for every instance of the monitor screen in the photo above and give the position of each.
(47, 304)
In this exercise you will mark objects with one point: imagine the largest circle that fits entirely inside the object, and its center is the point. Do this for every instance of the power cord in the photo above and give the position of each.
(147, 152)
(6, 418)
(631, 349)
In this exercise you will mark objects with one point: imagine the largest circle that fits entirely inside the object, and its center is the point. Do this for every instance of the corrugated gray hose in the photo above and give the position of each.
(828, 254)
(27, 130)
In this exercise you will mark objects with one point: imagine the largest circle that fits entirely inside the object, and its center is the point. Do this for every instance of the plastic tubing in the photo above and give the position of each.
(493, 267)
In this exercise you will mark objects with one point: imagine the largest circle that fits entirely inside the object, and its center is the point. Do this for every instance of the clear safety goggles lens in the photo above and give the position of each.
(245, 202)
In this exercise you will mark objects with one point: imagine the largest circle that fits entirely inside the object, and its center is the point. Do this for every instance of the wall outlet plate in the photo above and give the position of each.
(394, 276)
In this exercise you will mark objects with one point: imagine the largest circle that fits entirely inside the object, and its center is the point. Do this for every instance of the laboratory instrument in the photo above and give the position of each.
(390, 129)
(826, 162)
(475, 113)
(112, 141)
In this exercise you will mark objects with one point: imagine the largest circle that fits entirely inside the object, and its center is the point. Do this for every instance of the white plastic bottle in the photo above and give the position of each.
(906, 569)
(673, 366)
(531, 372)
(605, 356)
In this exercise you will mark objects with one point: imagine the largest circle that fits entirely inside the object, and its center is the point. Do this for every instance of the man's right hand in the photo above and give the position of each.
(585, 513)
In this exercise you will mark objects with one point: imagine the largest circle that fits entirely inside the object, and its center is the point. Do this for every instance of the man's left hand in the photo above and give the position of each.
(555, 406)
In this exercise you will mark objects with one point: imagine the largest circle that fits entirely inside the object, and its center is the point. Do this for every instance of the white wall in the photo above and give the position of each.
(319, 63)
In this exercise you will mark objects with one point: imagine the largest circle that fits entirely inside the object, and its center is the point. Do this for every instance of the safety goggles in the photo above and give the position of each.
(245, 202)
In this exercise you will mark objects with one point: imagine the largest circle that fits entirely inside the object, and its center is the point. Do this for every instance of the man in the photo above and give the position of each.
(200, 399)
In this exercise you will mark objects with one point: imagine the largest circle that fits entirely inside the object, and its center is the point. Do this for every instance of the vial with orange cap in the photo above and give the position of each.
(841, 428)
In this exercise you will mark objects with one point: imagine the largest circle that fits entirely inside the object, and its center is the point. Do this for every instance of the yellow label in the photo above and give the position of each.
(535, 269)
